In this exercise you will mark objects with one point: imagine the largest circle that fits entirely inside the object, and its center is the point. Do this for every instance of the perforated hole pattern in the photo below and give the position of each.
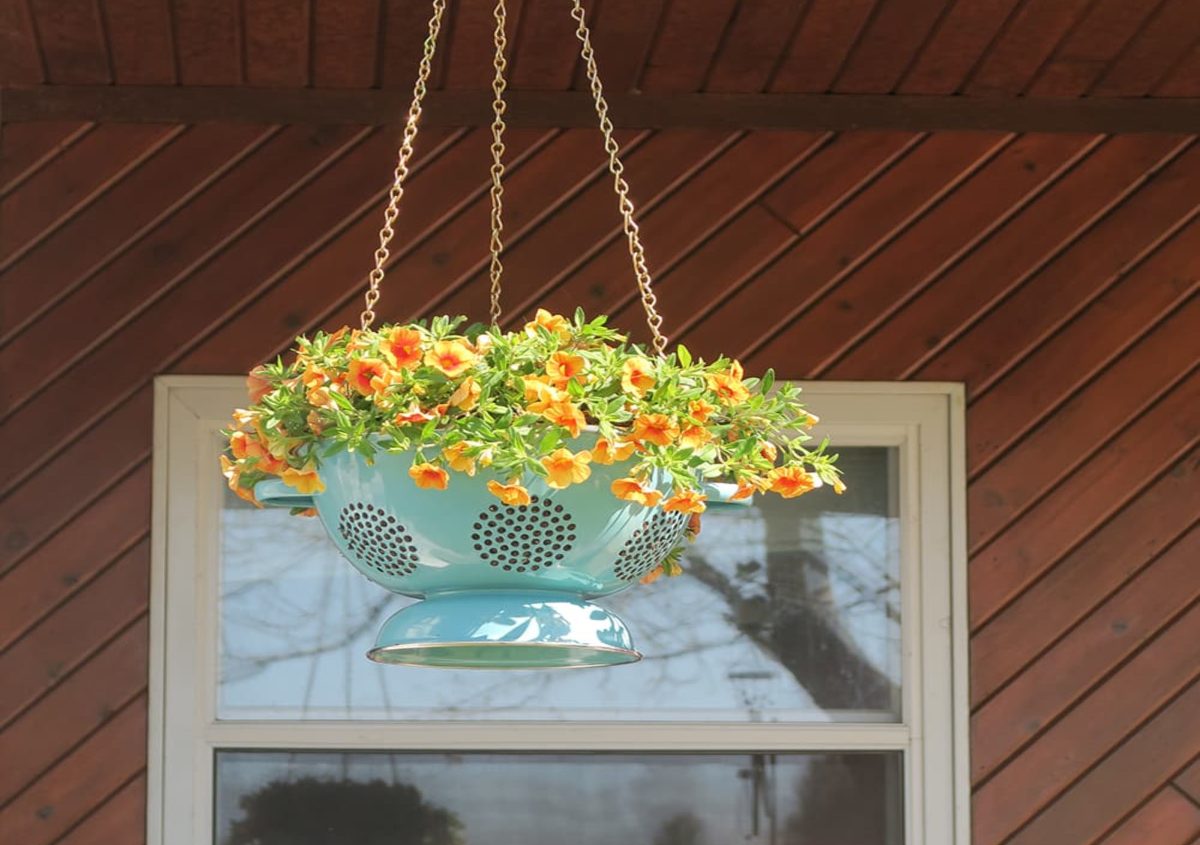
(650, 544)
(377, 539)
(524, 539)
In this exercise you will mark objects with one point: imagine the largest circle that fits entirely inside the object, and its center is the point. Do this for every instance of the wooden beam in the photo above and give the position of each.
(167, 104)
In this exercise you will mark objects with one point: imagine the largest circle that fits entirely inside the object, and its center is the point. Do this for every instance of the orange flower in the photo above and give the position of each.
(429, 477)
(695, 436)
(510, 494)
(654, 428)
(748, 487)
(457, 458)
(369, 376)
(631, 490)
(466, 395)
(767, 450)
(699, 410)
(412, 416)
(244, 446)
(564, 468)
(233, 474)
(728, 386)
(553, 323)
(315, 425)
(566, 415)
(451, 357)
(606, 453)
(790, 481)
(652, 576)
(562, 367)
(303, 481)
(686, 501)
(257, 385)
(403, 347)
(539, 395)
(693, 526)
(637, 376)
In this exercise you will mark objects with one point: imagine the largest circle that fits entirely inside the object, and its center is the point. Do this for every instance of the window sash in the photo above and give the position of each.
(925, 423)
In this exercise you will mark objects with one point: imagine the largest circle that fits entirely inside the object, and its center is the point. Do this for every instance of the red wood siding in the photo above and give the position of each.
(1055, 274)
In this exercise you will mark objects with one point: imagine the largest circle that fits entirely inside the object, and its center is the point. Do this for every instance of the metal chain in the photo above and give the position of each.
(636, 252)
(403, 157)
(499, 83)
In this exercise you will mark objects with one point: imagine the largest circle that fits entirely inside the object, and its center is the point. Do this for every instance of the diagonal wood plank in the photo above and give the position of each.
(25, 148)
(1153, 52)
(1091, 46)
(72, 40)
(958, 44)
(754, 45)
(345, 41)
(888, 46)
(208, 41)
(121, 818)
(688, 38)
(827, 34)
(139, 41)
(1168, 818)
(1028, 40)
(21, 61)
(276, 42)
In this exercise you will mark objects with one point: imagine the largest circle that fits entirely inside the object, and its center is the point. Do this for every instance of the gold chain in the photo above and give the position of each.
(405, 154)
(636, 252)
(496, 269)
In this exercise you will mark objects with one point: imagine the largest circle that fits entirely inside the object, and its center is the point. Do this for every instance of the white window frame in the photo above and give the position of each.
(925, 421)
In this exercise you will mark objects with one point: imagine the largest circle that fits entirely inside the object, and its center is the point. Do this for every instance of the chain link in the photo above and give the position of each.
(403, 157)
(617, 169)
(499, 83)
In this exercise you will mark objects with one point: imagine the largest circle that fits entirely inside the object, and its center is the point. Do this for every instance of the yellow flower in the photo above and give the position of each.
(403, 347)
(728, 386)
(790, 481)
(451, 357)
(510, 494)
(686, 501)
(429, 477)
(303, 481)
(695, 436)
(654, 428)
(233, 474)
(606, 453)
(539, 395)
(637, 376)
(566, 415)
(466, 395)
(564, 468)
(553, 323)
(809, 420)
(699, 410)
(413, 415)
(631, 490)
(457, 458)
(839, 486)
(562, 367)
(369, 376)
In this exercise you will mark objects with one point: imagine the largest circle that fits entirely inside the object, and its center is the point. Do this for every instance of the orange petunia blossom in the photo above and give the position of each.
(567, 415)
(553, 323)
(244, 446)
(700, 410)
(637, 376)
(466, 395)
(369, 376)
(686, 501)
(403, 347)
(767, 450)
(429, 477)
(414, 415)
(303, 481)
(605, 452)
(233, 474)
(511, 494)
(539, 395)
(257, 386)
(451, 357)
(790, 481)
(748, 487)
(654, 428)
(457, 458)
(728, 386)
(564, 468)
(562, 367)
(695, 436)
(652, 576)
(631, 490)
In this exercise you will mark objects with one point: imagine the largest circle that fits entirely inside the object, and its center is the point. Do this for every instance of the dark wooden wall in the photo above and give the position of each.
(1054, 274)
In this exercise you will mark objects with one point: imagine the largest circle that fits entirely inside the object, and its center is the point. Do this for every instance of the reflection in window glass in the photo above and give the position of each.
(274, 798)
(788, 610)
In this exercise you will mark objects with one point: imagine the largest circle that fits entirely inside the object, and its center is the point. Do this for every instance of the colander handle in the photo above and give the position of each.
(720, 496)
(273, 493)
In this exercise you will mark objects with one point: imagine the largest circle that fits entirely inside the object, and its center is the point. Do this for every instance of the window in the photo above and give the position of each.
(804, 681)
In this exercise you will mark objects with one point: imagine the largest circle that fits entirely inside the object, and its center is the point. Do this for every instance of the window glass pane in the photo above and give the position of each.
(281, 798)
(788, 610)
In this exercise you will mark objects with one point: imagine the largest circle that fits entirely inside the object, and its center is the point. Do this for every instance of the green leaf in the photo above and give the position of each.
(685, 357)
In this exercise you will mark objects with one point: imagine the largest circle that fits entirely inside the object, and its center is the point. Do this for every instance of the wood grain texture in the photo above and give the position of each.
(1053, 274)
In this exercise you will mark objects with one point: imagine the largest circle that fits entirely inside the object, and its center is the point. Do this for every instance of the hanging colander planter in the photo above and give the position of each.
(508, 479)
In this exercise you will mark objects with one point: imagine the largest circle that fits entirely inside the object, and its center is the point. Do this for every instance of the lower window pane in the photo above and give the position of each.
(298, 798)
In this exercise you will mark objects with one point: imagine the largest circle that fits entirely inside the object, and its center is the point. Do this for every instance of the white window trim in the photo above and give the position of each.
(926, 422)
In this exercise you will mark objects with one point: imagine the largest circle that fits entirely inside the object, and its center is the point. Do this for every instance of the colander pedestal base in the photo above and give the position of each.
(504, 629)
